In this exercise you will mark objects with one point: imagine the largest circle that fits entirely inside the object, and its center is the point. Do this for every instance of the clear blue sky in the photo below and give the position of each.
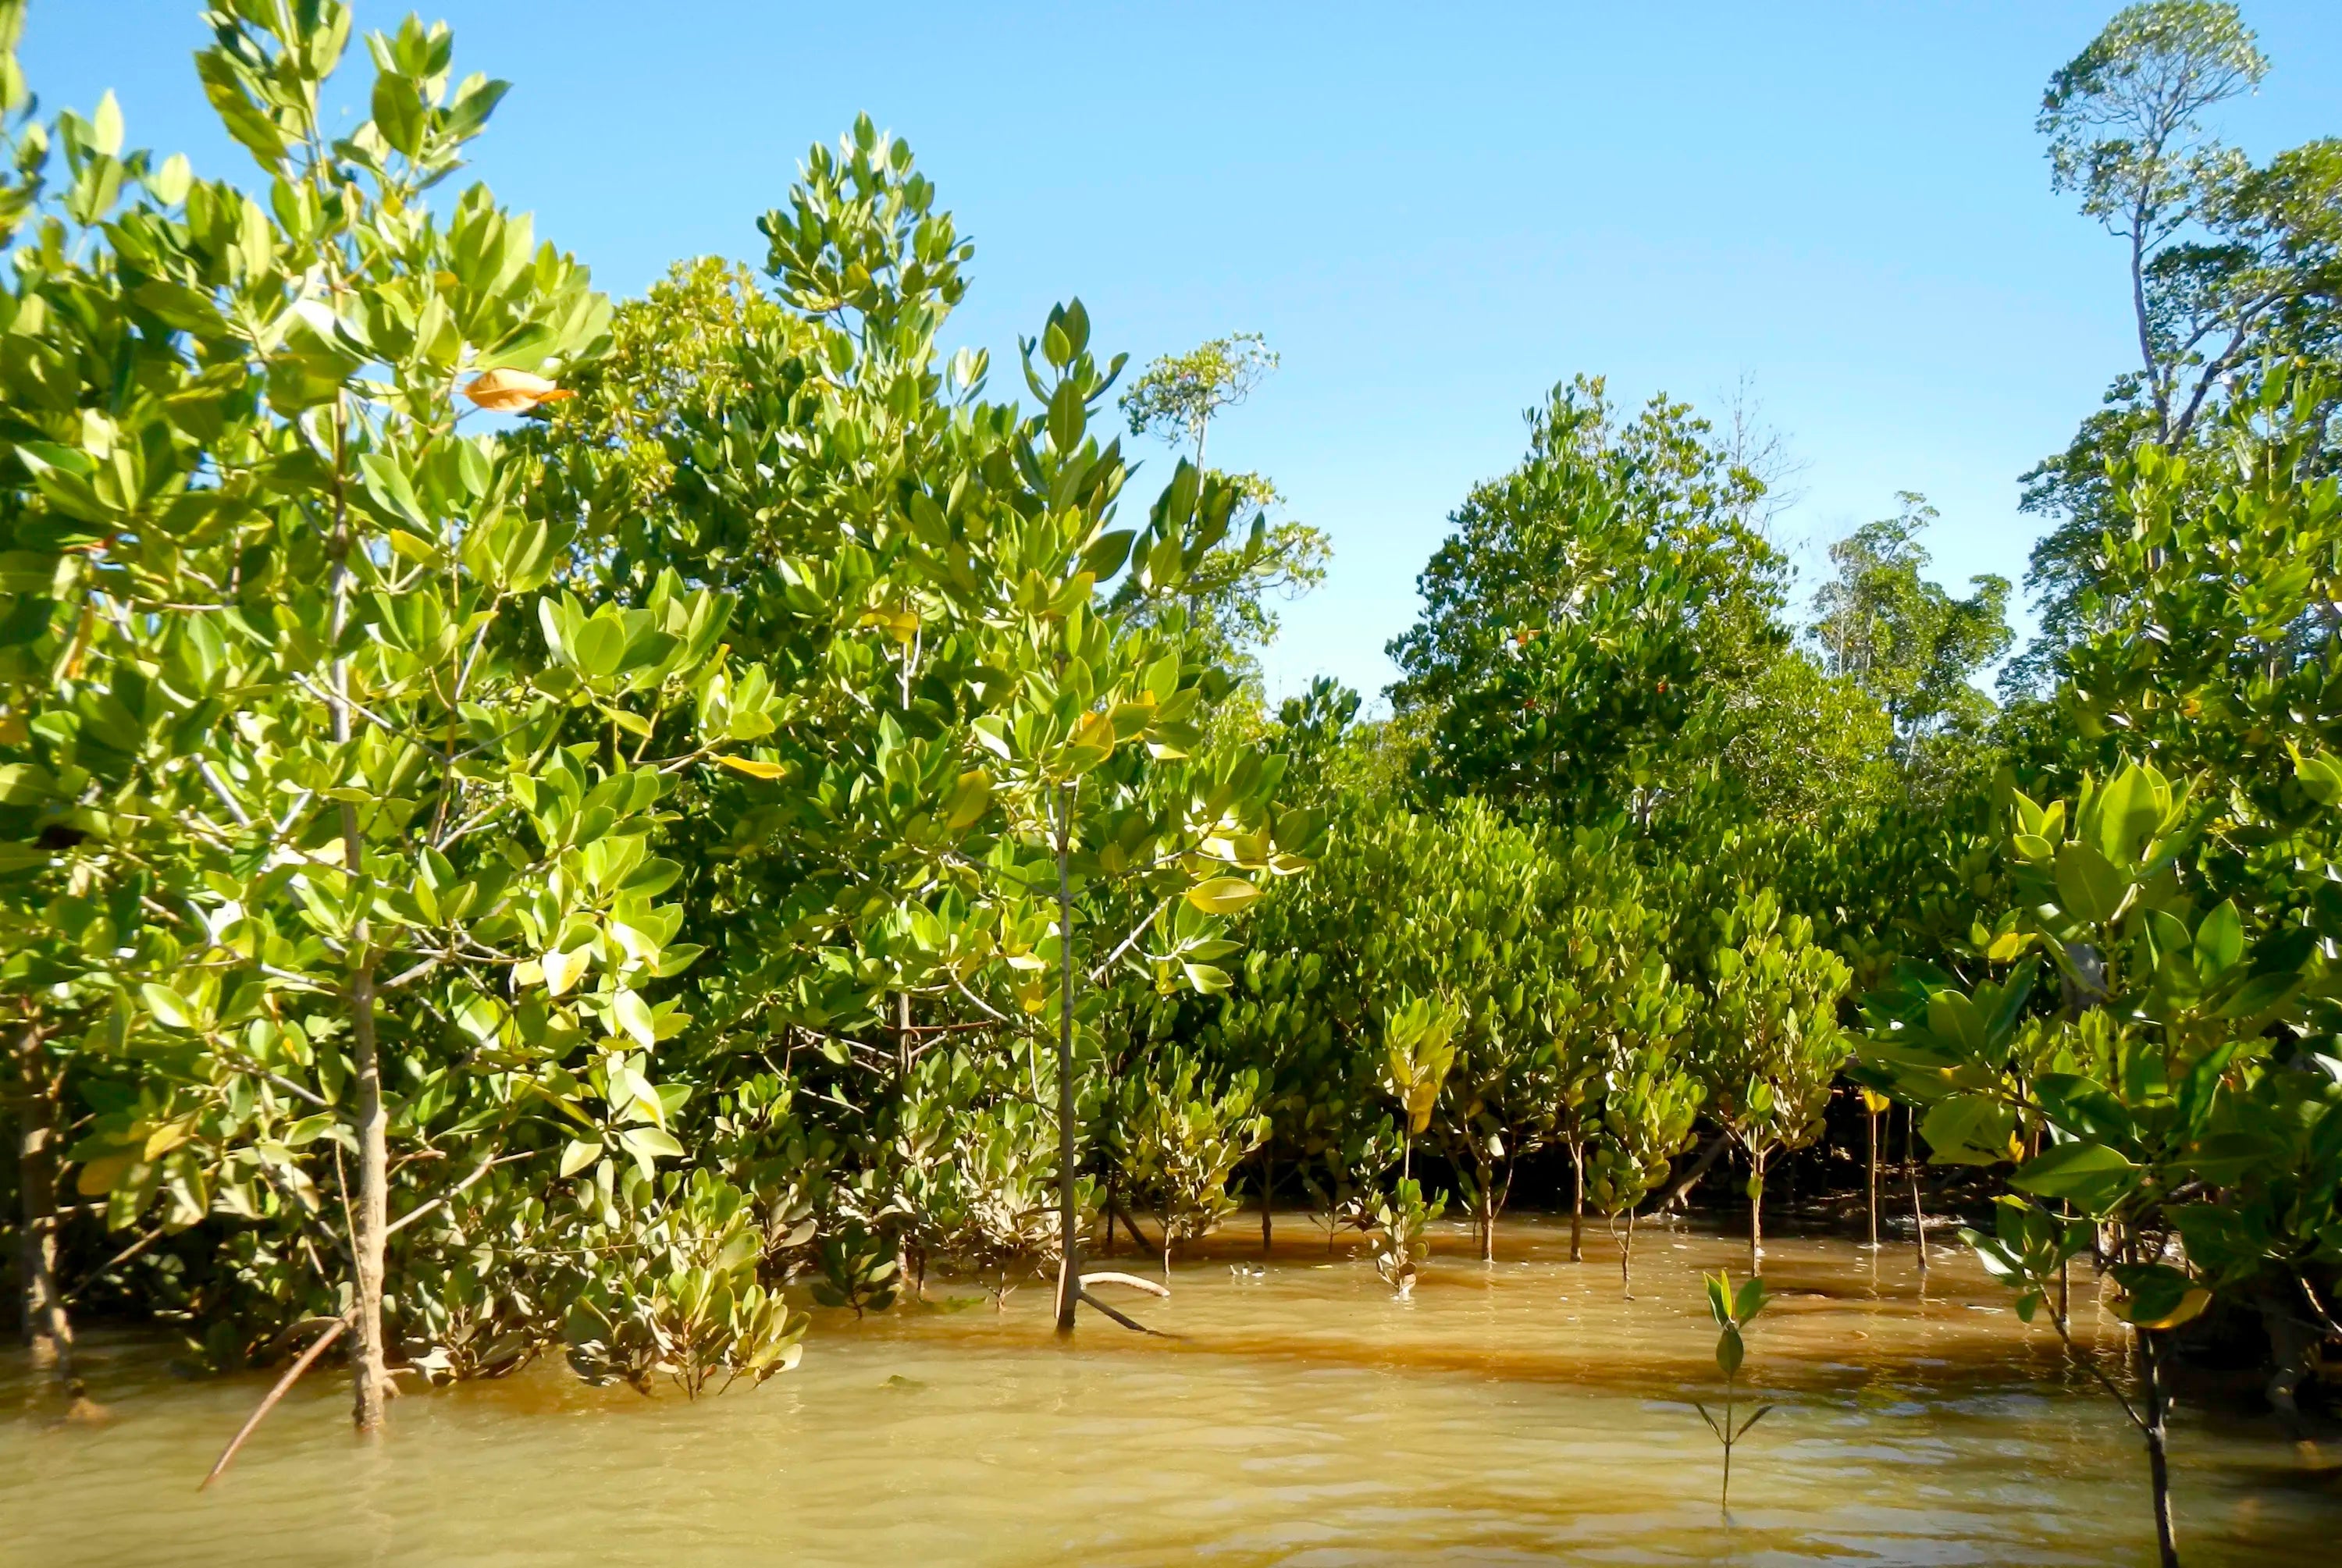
(1434, 212)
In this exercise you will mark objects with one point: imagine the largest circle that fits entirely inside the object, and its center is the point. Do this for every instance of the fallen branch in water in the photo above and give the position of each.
(1131, 1323)
(291, 1375)
(1137, 1237)
(1132, 1281)
(1680, 1188)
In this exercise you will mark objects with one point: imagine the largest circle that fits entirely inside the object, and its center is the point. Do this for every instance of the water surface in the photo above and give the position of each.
(1524, 1412)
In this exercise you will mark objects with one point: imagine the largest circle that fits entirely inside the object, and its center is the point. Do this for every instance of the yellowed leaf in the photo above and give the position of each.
(513, 391)
(753, 768)
(98, 1177)
(563, 970)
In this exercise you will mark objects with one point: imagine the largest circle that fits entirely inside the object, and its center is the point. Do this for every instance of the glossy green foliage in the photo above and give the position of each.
(1587, 606)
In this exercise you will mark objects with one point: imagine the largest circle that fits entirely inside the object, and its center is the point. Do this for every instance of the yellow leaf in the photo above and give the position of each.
(98, 1177)
(754, 769)
(563, 970)
(1095, 731)
(969, 798)
(513, 391)
(2190, 1305)
(1222, 894)
(166, 1138)
(414, 546)
(1874, 1102)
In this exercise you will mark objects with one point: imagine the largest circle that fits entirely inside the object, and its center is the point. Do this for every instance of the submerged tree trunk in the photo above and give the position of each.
(1267, 1196)
(1577, 1200)
(2158, 1407)
(1873, 1179)
(48, 1331)
(1626, 1258)
(1919, 1221)
(1756, 1159)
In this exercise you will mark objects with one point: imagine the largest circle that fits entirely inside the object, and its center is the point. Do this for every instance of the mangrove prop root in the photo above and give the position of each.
(1131, 1323)
(291, 1375)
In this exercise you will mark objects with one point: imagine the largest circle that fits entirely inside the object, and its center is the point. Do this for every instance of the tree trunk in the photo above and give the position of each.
(48, 1331)
(1919, 1221)
(1874, 1181)
(1267, 1196)
(1576, 1202)
(1680, 1188)
(370, 1223)
(1487, 1207)
(370, 1374)
(1756, 1210)
(1069, 1273)
(1109, 1209)
(1627, 1257)
(2158, 1407)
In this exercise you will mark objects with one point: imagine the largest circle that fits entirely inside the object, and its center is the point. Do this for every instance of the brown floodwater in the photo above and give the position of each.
(1523, 1411)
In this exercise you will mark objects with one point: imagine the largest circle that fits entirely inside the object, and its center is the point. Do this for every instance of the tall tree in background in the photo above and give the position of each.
(1228, 588)
(2232, 267)
(1587, 606)
(1908, 642)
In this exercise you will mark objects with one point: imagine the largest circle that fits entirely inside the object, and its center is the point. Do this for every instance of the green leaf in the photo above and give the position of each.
(631, 1014)
(2219, 939)
(2157, 1295)
(1206, 978)
(2091, 1177)
(2261, 994)
(1730, 1351)
(577, 1155)
(1106, 553)
(2088, 886)
(600, 643)
(1968, 1130)
(2127, 815)
(651, 1142)
(168, 1005)
(25, 784)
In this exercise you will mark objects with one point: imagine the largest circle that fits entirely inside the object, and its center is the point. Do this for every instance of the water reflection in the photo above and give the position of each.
(1515, 1412)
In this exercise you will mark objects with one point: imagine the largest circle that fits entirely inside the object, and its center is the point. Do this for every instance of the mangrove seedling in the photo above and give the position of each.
(1732, 1314)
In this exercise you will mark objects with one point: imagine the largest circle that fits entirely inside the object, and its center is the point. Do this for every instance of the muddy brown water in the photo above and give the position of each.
(1519, 1412)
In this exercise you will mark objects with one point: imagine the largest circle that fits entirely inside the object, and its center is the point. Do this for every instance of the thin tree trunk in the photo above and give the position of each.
(370, 1373)
(1069, 1273)
(1626, 1258)
(1488, 1215)
(2159, 1464)
(1576, 1202)
(1267, 1196)
(1874, 1181)
(1109, 1210)
(370, 1225)
(48, 1331)
(1918, 1222)
(1756, 1210)
(903, 1082)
